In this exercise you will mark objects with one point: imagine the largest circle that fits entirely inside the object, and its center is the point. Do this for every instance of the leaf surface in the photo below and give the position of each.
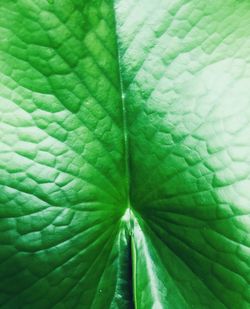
(124, 154)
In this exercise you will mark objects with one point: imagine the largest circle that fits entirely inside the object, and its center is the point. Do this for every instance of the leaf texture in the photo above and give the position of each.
(124, 157)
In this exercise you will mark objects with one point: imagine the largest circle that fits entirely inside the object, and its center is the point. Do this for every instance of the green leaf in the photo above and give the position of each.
(124, 154)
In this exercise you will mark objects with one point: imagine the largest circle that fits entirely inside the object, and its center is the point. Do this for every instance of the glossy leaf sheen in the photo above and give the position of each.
(124, 154)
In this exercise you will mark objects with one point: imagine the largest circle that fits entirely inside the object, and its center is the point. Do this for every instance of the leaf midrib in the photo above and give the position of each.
(124, 120)
(128, 208)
